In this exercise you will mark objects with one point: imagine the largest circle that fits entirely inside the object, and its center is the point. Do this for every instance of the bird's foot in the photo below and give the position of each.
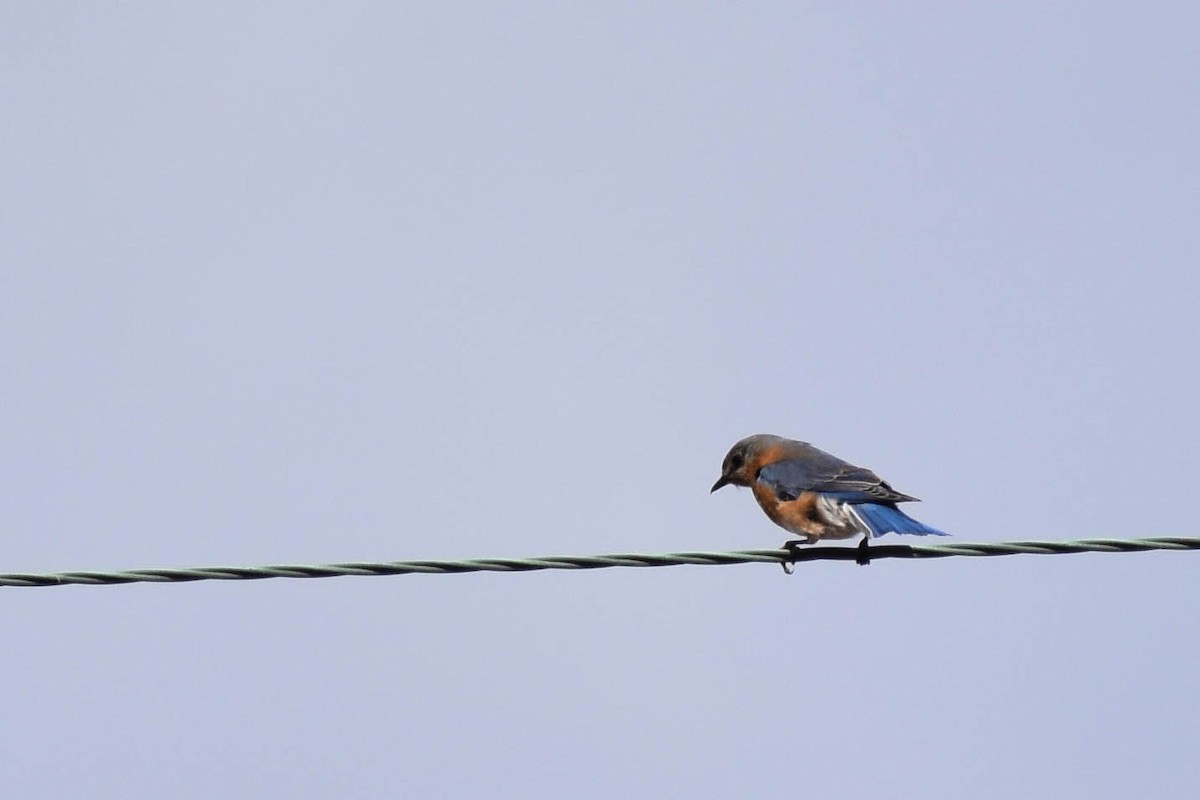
(864, 553)
(793, 547)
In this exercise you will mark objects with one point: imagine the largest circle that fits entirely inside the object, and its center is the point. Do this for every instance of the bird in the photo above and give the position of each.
(815, 495)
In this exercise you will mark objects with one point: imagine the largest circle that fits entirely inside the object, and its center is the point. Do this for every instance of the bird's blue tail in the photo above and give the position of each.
(883, 519)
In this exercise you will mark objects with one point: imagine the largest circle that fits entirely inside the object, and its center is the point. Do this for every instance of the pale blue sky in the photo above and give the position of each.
(294, 282)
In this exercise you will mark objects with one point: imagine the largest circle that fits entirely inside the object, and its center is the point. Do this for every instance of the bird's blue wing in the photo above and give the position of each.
(820, 472)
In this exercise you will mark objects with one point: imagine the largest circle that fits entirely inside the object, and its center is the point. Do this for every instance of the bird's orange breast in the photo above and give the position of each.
(799, 516)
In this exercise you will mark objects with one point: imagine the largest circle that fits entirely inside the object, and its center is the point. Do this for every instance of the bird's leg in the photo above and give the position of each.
(864, 555)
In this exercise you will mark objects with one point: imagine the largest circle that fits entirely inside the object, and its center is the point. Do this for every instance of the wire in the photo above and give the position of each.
(783, 556)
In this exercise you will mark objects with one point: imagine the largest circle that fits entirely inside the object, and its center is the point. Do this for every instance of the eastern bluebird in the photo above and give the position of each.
(815, 495)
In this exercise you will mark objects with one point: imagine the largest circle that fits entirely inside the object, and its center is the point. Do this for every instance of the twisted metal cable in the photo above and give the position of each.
(779, 556)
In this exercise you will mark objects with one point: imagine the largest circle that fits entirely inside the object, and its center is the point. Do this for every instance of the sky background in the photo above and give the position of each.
(299, 283)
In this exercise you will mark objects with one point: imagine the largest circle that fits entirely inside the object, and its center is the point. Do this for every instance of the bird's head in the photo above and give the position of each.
(742, 463)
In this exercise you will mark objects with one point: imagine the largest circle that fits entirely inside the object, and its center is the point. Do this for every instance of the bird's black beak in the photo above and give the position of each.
(721, 481)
